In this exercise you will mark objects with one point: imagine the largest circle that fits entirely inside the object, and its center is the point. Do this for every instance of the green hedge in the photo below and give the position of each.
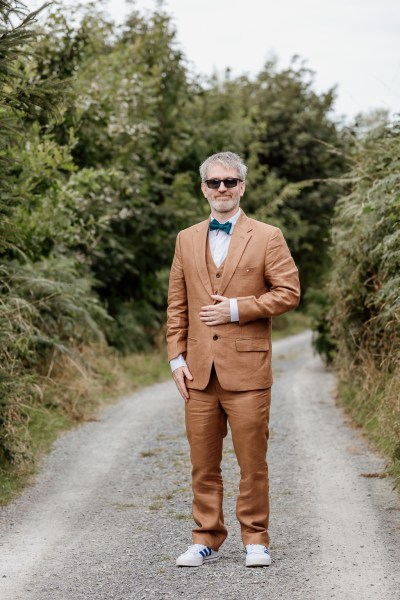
(361, 324)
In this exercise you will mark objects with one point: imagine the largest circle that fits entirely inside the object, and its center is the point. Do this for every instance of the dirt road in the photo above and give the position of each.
(111, 508)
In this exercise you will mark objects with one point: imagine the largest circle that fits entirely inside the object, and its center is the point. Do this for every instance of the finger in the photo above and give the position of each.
(184, 394)
(217, 320)
(187, 373)
(212, 311)
(180, 384)
(179, 378)
(219, 298)
(208, 307)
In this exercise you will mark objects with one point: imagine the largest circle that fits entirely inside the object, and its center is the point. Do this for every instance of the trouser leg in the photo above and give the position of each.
(248, 416)
(206, 426)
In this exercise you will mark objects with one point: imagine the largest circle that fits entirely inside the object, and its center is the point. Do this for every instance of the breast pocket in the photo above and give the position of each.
(245, 271)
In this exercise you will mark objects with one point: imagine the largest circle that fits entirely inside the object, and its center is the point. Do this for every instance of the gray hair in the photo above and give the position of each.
(227, 159)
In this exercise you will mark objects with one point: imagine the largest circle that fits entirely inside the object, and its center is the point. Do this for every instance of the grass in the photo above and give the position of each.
(156, 506)
(373, 404)
(73, 394)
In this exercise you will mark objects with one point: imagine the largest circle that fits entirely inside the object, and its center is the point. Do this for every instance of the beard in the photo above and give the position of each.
(226, 205)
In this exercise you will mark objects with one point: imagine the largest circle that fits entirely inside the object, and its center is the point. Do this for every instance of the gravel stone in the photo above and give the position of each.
(111, 508)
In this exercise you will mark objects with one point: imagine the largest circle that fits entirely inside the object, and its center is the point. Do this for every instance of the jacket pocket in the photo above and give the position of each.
(245, 271)
(252, 345)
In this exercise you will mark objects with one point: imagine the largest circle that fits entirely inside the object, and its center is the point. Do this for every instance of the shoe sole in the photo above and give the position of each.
(258, 564)
(206, 559)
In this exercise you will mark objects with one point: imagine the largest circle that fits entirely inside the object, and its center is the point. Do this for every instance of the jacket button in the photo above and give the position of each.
(218, 275)
(215, 337)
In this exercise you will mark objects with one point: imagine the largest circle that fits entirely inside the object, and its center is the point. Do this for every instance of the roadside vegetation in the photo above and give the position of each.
(359, 325)
(101, 132)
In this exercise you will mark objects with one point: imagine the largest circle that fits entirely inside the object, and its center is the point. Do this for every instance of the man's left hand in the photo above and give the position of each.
(216, 314)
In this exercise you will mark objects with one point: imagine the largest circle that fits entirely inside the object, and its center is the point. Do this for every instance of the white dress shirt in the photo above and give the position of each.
(219, 245)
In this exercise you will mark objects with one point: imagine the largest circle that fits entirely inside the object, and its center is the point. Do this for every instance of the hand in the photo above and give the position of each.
(179, 377)
(216, 314)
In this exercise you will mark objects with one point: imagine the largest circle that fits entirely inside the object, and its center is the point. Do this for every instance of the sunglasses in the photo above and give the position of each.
(229, 182)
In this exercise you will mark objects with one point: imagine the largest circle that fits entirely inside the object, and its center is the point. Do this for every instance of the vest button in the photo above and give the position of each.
(218, 275)
(215, 337)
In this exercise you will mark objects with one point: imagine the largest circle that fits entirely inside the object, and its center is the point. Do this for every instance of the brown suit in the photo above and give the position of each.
(259, 271)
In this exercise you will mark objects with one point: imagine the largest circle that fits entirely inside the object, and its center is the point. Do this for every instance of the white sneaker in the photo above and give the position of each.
(257, 556)
(196, 555)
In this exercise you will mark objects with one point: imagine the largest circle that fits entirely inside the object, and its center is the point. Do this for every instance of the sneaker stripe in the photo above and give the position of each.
(203, 553)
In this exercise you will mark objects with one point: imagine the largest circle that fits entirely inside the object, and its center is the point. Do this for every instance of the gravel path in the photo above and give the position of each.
(111, 508)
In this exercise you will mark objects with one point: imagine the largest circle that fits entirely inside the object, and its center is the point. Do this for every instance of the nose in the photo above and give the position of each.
(223, 186)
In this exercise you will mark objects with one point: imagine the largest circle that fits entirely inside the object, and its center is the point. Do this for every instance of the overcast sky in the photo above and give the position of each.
(354, 44)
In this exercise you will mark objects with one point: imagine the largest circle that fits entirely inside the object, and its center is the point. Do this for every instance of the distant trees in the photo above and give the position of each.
(102, 130)
(137, 125)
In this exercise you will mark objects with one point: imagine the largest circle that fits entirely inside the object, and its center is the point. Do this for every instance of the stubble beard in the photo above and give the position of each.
(224, 206)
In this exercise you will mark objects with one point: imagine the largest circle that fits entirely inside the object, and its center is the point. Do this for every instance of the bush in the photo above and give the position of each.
(363, 314)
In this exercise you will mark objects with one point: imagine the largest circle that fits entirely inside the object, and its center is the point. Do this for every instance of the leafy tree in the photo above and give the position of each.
(294, 149)
(124, 128)
(295, 152)
(46, 304)
(102, 129)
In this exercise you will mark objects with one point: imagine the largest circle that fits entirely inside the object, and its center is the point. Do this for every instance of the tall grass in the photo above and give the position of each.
(362, 323)
(70, 392)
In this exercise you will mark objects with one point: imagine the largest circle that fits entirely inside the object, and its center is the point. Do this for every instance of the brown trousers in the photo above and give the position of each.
(207, 413)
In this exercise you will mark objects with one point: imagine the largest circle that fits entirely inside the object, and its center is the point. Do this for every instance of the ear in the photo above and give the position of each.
(242, 188)
(204, 189)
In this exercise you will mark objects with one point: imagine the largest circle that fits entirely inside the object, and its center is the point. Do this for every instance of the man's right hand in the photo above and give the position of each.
(179, 376)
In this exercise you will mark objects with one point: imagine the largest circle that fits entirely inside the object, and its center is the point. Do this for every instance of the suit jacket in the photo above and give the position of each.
(260, 272)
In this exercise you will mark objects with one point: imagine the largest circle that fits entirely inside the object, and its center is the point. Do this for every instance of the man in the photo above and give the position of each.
(229, 276)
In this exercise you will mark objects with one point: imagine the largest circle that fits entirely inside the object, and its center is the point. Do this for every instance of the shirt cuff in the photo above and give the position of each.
(233, 303)
(177, 362)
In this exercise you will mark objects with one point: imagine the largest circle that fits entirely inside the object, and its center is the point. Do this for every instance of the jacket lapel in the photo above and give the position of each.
(200, 240)
(240, 238)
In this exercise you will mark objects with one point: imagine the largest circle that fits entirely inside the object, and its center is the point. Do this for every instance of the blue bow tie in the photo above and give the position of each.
(224, 226)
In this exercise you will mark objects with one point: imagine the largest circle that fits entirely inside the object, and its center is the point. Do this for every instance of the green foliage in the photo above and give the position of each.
(365, 280)
(47, 305)
(45, 309)
(363, 288)
(293, 147)
(318, 305)
(295, 154)
(102, 129)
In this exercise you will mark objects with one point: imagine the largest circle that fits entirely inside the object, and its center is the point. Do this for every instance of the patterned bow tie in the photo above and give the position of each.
(224, 226)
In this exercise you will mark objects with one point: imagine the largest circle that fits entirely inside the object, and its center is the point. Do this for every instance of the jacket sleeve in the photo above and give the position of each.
(282, 278)
(177, 313)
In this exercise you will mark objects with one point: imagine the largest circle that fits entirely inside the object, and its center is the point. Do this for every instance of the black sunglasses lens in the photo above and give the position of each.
(230, 182)
(214, 184)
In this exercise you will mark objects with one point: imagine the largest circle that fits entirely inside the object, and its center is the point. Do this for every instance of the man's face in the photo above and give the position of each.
(223, 200)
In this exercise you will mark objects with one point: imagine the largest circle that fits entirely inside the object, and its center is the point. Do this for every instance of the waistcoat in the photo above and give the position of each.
(214, 272)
